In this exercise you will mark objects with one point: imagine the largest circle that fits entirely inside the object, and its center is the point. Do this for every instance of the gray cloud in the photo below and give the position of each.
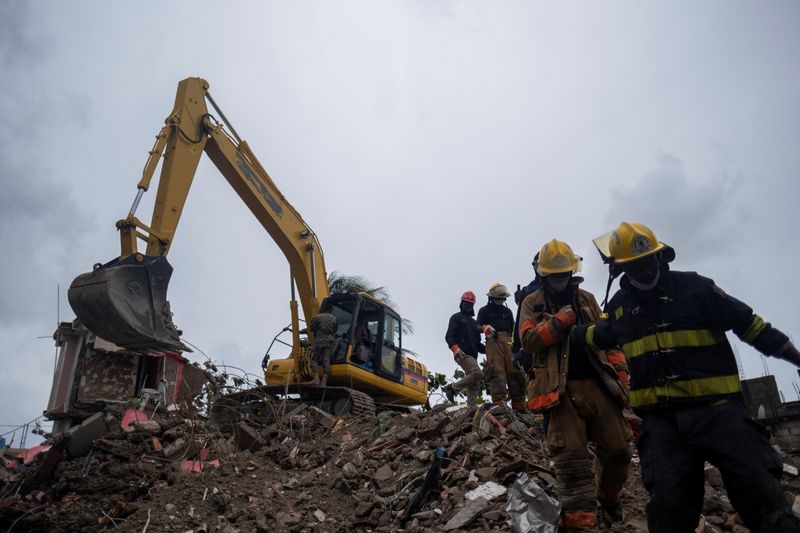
(696, 211)
(431, 147)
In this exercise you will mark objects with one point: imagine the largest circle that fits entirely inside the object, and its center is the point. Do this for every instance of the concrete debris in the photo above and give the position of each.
(80, 438)
(303, 469)
(489, 491)
(467, 514)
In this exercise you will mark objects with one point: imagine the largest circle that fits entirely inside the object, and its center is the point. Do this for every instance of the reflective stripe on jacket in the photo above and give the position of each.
(674, 338)
(550, 349)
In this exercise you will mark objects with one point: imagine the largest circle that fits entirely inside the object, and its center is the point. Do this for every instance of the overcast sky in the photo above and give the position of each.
(433, 147)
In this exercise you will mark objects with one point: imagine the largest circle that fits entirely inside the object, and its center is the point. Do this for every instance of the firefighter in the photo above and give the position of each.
(464, 339)
(518, 355)
(581, 392)
(497, 323)
(323, 326)
(685, 385)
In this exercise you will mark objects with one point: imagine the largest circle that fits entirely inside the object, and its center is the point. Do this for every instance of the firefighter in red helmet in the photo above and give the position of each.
(464, 340)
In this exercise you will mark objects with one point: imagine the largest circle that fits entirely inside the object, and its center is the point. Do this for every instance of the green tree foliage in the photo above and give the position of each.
(339, 283)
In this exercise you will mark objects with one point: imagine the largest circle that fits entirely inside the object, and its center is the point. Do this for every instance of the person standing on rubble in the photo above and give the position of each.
(323, 326)
(685, 385)
(581, 392)
(464, 339)
(518, 355)
(497, 323)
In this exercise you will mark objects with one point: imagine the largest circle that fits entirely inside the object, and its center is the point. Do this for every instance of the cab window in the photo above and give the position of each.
(390, 350)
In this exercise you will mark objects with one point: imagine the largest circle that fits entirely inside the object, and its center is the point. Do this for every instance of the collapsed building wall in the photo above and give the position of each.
(94, 375)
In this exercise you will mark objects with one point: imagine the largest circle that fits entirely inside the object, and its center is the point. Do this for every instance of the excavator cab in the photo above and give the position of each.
(368, 335)
(125, 301)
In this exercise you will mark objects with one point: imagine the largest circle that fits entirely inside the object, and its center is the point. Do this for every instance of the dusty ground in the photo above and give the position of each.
(307, 472)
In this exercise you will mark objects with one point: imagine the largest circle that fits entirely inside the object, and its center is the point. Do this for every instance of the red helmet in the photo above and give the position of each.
(468, 296)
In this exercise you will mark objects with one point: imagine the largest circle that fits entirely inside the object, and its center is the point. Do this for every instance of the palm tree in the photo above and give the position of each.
(339, 283)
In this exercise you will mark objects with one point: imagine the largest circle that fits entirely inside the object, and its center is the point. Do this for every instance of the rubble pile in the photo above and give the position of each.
(299, 468)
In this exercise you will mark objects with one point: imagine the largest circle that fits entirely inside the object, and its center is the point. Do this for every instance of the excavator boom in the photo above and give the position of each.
(125, 300)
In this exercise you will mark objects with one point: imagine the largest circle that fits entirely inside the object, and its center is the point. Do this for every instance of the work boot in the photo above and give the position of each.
(613, 513)
(583, 521)
(315, 381)
(449, 393)
(520, 406)
(499, 400)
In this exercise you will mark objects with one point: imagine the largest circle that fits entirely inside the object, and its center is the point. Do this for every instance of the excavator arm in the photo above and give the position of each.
(124, 300)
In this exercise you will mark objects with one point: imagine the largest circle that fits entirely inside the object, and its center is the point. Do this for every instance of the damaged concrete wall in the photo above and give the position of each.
(93, 374)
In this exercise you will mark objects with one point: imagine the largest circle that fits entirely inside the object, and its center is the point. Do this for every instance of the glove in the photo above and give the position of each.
(577, 335)
(488, 330)
(458, 353)
(788, 352)
(566, 317)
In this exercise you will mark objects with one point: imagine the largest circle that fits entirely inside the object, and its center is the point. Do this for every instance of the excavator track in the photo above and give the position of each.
(263, 403)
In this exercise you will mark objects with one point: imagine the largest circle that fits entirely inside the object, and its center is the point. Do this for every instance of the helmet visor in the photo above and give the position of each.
(603, 245)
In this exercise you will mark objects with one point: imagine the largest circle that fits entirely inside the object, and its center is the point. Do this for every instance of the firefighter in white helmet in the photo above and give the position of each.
(502, 377)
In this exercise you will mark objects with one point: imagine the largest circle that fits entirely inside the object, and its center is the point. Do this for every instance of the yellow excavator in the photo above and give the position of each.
(125, 300)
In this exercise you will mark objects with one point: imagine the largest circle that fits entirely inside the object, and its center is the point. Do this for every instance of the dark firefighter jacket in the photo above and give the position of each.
(499, 317)
(550, 348)
(674, 338)
(530, 288)
(463, 330)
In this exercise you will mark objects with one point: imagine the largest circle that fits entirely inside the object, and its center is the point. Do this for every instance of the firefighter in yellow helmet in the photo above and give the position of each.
(685, 384)
(502, 377)
(580, 391)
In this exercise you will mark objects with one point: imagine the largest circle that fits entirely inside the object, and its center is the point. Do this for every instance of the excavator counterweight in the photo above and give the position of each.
(125, 301)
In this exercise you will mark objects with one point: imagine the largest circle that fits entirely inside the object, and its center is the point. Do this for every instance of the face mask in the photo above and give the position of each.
(646, 286)
(498, 301)
(644, 273)
(558, 284)
(467, 307)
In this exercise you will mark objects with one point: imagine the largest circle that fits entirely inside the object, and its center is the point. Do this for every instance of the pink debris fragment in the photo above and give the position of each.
(190, 465)
(29, 455)
(10, 464)
(203, 453)
(132, 415)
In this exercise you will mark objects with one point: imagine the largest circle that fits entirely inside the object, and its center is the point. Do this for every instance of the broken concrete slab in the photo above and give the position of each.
(248, 438)
(80, 438)
(467, 514)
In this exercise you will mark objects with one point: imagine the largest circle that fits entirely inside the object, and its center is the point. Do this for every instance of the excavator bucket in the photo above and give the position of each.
(125, 302)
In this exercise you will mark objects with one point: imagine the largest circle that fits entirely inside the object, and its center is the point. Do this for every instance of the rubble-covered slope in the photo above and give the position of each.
(300, 470)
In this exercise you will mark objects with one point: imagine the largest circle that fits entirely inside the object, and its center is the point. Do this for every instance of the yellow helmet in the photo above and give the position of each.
(498, 290)
(630, 241)
(557, 257)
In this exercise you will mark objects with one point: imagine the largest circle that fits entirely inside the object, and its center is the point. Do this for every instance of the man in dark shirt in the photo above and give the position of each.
(464, 340)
